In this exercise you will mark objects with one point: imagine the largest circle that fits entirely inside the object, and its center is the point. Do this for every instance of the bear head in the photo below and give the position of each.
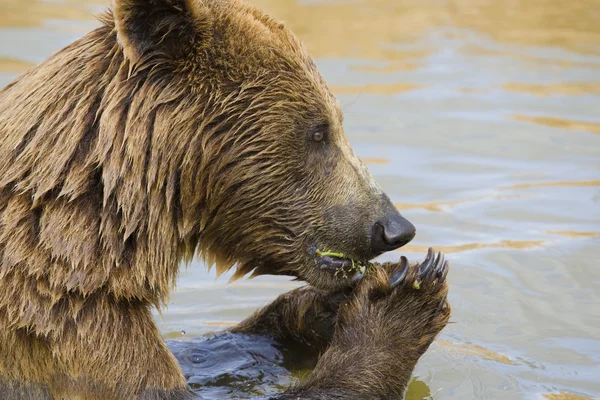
(266, 181)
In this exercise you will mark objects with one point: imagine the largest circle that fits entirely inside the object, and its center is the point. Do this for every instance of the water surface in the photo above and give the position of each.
(481, 120)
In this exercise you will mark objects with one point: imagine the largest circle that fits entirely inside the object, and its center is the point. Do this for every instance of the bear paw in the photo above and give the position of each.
(395, 314)
(407, 301)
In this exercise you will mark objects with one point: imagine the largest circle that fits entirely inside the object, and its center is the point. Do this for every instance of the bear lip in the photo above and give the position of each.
(333, 263)
(337, 266)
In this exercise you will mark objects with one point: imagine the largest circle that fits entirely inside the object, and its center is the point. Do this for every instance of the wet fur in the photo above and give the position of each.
(112, 172)
(151, 139)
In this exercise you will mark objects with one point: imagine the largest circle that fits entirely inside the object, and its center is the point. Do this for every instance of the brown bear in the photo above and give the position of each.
(181, 127)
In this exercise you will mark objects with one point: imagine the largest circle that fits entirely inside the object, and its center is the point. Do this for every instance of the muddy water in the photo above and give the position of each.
(481, 119)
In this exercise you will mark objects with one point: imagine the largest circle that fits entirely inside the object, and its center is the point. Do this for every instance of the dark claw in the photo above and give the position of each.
(443, 272)
(428, 260)
(429, 266)
(437, 265)
(439, 261)
(399, 275)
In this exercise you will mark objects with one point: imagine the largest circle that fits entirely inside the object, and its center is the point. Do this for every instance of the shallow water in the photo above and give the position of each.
(481, 119)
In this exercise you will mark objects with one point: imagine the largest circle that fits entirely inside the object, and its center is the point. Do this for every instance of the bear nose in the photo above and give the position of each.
(392, 232)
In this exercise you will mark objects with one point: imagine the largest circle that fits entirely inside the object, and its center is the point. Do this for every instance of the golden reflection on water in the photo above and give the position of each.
(592, 127)
(383, 88)
(474, 350)
(436, 206)
(406, 64)
(472, 49)
(327, 32)
(441, 206)
(8, 64)
(574, 234)
(32, 13)
(502, 244)
(552, 184)
(566, 396)
(375, 160)
(342, 30)
(566, 88)
(568, 24)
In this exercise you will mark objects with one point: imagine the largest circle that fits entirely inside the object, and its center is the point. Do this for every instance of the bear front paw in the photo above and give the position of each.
(402, 302)
(389, 321)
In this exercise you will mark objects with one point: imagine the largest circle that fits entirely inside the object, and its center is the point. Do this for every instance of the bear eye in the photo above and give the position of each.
(318, 136)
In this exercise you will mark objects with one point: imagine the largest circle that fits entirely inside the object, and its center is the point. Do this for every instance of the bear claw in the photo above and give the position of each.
(434, 267)
(428, 260)
(399, 275)
(443, 272)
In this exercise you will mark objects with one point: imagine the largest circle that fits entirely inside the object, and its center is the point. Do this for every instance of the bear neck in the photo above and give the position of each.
(91, 165)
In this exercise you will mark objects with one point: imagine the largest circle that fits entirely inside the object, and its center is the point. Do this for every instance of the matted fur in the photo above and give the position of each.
(177, 127)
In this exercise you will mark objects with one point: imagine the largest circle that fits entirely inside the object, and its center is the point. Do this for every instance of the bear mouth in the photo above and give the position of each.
(340, 265)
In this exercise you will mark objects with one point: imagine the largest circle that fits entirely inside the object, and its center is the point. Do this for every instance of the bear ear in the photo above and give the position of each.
(159, 27)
